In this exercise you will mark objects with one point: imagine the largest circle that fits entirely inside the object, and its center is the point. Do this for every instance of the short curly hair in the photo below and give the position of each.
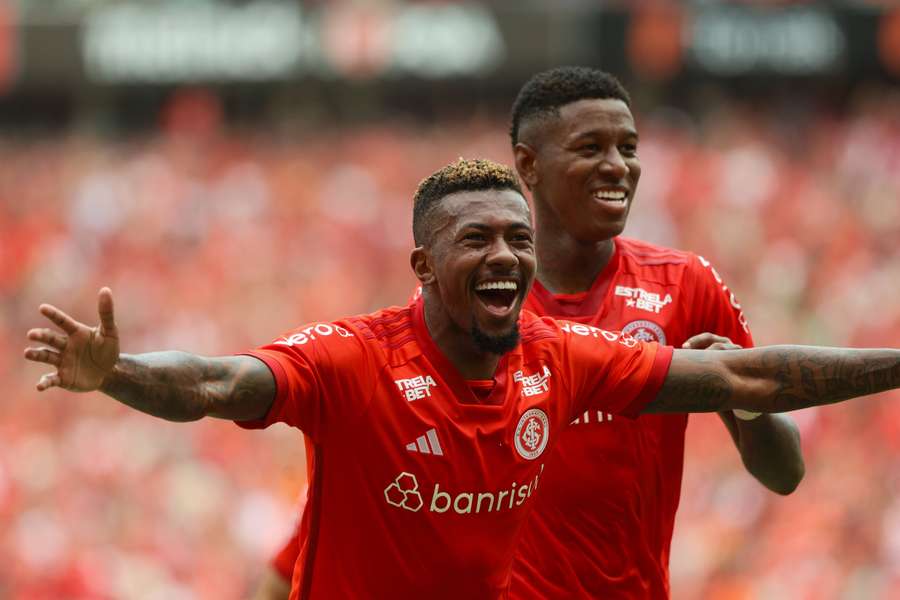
(545, 93)
(461, 176)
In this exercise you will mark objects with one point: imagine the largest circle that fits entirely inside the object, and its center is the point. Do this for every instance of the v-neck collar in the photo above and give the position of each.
(591, 303)
(462, 393)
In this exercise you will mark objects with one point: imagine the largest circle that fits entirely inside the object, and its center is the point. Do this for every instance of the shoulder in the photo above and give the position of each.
(535, 330)
(389, 326)
(357, 334)
(652, 262)
(639, 252)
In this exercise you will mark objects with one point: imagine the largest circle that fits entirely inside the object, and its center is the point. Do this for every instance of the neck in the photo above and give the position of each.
(567, 265)
(457, 345)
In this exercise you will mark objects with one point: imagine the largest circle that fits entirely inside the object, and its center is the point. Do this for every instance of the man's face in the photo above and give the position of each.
(481, 263)
(582, 167)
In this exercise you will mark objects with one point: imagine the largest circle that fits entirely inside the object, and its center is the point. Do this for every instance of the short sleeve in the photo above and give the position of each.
(611, 371)
(319, 370)
(715, 306)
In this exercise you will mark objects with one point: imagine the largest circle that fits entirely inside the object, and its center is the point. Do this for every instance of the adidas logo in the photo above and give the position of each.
(426, 444)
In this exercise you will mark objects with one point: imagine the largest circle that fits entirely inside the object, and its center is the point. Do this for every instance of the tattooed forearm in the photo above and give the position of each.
(774, 379)
(178, 386)
(694, 384)
(808, 376)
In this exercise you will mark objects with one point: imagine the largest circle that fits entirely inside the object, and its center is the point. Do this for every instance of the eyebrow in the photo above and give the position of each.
(629, 133)
(483, 227)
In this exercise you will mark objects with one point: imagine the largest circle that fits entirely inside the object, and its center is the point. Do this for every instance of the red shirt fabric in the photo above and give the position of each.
(602, 525)
(418, 487)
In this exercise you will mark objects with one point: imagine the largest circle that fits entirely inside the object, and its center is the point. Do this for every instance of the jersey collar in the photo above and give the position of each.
(450, 374)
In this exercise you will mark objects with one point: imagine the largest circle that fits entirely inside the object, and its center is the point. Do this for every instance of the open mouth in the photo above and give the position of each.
(616, 199)
(498, 297)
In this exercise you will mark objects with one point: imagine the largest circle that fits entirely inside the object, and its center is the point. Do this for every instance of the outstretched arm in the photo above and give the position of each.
(171, 385)
(769, 444)
(774, 378)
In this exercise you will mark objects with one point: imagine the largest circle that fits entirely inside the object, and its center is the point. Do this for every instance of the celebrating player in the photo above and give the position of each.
(431, 423)
(576, 148)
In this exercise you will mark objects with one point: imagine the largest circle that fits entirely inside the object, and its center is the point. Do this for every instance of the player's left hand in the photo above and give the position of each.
(710, 341)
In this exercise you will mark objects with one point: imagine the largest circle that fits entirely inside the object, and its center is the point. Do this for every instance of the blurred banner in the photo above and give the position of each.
(164, 43)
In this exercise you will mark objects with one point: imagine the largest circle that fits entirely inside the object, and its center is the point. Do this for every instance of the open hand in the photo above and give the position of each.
(82, 355)
(710, 341)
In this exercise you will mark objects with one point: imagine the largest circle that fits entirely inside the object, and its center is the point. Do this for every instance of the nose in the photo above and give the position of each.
(501, 256)
(612, 163)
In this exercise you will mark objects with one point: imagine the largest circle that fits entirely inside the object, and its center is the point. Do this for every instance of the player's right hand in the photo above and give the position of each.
(83, 356)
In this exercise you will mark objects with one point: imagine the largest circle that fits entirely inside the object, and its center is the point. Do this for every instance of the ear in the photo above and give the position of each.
(526, 163)
(420, 260)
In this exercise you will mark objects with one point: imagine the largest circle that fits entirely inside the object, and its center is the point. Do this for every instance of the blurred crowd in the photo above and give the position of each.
(214, 242)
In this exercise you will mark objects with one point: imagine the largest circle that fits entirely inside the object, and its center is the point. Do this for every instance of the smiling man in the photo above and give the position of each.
(576, 144)
(431, 424)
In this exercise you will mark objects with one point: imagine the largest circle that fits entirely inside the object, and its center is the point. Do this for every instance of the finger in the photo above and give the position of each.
(43, 355)
(703, 340)
(49, 337)
(105, 309)
(59, 318)
(47, 381)
(724, 346)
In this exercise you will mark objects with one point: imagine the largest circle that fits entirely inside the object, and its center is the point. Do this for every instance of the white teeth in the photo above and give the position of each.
(617, 196)
(497, 285)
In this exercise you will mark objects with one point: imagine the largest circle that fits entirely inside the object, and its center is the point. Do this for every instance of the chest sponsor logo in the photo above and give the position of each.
(640, 298)
(534, 384)
(416, 388)
(532, 433)
(427, 444)
(645, 331)
(404, 492)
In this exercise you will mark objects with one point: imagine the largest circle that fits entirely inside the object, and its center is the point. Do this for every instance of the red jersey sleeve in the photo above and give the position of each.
(715, 307)
(318, 372)
(611, 371)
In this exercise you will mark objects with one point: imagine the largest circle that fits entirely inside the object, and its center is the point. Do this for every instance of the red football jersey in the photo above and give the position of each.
(602, 525)
(421, 480)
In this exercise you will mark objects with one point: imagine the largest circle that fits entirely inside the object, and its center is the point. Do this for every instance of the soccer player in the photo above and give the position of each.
(431, 423)
(575, 145)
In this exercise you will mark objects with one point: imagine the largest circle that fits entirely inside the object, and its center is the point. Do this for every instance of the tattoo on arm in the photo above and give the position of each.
(774, 379)
(178, 386)
(693, 384)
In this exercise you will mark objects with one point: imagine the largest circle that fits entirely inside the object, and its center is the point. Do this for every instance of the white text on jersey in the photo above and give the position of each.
(416, 388)
(731, 299)
(642, 299)
(534, 384)
(309, 334)
(591, 331)
(404, 492)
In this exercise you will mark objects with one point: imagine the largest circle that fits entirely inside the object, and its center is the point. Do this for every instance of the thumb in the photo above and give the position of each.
(105, 310)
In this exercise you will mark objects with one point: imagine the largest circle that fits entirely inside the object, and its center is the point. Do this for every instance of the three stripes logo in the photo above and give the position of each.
(426, 444)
